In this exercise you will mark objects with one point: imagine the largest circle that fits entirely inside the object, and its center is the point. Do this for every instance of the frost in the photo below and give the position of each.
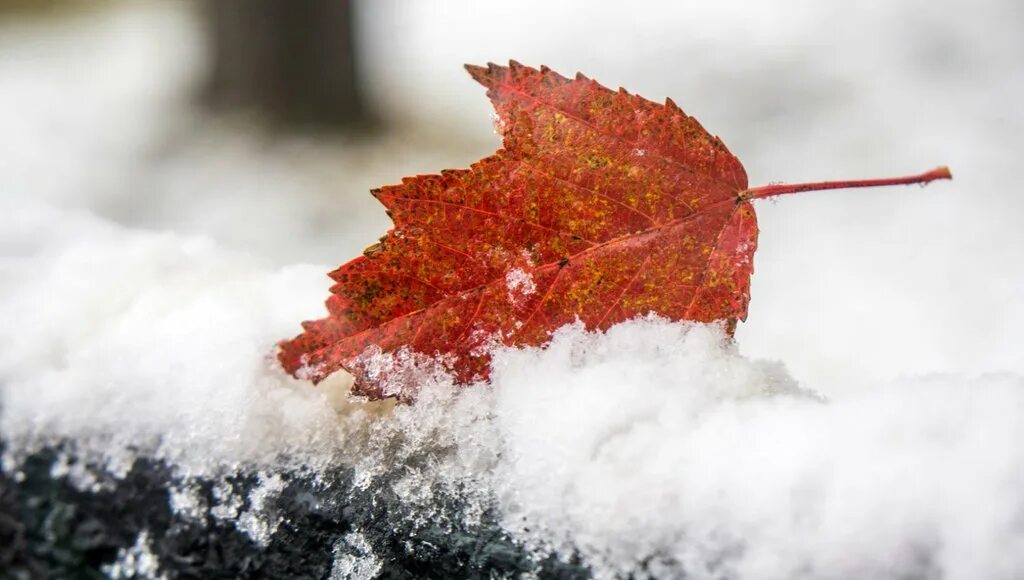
(229, 502)
(259, 522)
(307, 371)
(354, 559)
(486, 342)
(520, 286)
(185, 500)
(498, 124)
(398, 373)
(138, 561)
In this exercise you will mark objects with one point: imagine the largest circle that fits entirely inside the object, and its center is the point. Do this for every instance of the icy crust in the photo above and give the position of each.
(654, 449)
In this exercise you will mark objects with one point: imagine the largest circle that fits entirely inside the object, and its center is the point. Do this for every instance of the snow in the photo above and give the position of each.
(683, 451)
(148, 338)
(139, 561)
(659, 444)
(364, 565)
(520, 285)
(867, 422)
(256, 522)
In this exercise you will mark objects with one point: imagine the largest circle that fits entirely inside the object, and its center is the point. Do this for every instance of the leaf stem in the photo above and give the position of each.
(784, 188)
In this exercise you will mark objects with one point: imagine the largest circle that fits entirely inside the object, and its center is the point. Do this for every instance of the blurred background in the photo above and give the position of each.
(262, 125)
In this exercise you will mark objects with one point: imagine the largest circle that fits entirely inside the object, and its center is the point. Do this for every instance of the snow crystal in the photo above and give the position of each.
(228, 502)
(498, 124)
(399, 373)
(138, 561)
(258, 522)
(520, 285)
(354, 559)
(185, 500)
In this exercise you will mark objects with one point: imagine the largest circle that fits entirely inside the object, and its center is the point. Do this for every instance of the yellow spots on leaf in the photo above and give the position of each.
(595, 161)
(584, 290)
(652, 197)
(532, 211)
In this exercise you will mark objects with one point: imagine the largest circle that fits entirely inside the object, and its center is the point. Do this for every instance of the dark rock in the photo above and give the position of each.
(49, 528)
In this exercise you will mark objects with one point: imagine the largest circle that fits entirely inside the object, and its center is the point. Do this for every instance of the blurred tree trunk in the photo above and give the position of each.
(293, 60)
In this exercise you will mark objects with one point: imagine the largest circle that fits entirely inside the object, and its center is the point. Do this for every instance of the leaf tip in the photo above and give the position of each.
(480, 74)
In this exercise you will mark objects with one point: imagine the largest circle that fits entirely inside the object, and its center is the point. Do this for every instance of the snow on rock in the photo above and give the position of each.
(654, 447)
(134, 339)
(364, 566)
(659, 443)
(136, 562)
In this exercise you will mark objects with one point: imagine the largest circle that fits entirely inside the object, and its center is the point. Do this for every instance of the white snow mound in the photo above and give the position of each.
(658, 443)
(655, 446)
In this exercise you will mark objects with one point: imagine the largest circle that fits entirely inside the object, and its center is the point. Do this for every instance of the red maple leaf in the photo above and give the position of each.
(601, 206)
